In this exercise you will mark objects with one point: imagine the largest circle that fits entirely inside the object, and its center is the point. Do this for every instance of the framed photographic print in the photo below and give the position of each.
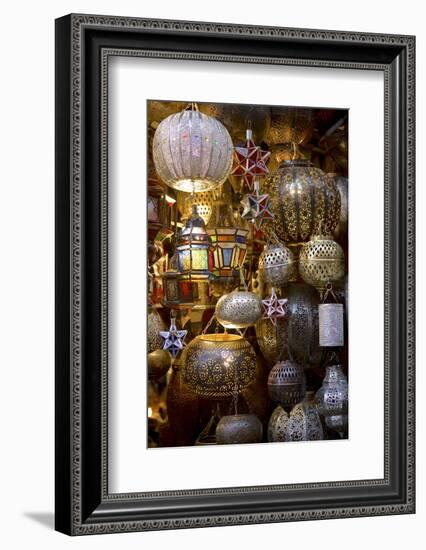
(234, 274)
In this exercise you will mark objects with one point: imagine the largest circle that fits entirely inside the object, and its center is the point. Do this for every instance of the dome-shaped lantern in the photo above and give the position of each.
(192, 151)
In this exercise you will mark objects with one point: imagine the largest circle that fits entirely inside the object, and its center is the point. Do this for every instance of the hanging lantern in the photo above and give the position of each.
(204, 202)
(179, 291)
(276, 264)
(215, 365)
(192, 151)
(271, 338)
(229, 242)
(331, 325)
(302, 324)
(302, 198)
(193, 247)
(155, 325)
(239, 309)
(239, 428)
(287, 383)
(332, 398)
(290, 125)
(302, 424)
(341, 229)
(159, 362)
(321, 261)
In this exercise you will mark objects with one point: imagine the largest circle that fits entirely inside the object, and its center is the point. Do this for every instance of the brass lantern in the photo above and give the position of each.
(321, 261)
(239, 428)
(192, 152)
(239, 309)
(276, 264)
(287, 383)
(193, 247)
(303, 199)
(229, 242)
(219, 365)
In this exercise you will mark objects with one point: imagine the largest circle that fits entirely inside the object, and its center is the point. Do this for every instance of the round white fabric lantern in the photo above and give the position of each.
(192, 151)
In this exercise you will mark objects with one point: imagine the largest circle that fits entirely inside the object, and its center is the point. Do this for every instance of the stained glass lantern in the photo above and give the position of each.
(180, 290)
(229, 242)
(192, 151)
(194, 251)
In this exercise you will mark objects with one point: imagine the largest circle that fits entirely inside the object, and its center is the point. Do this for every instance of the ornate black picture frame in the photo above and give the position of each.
(84, 44)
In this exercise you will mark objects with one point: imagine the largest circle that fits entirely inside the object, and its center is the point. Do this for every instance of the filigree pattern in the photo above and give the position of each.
(321, 261)
(218, 365)
(303, 199)
(239, 309)
(287, 383)
(276, 264)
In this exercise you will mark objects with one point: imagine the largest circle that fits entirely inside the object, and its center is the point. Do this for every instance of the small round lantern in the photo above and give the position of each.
(239, 309)
(239, 428)
(331, 332)
(193, 248)
(302, 199)
(287, 383)
(276, 264)
(321, 261)
(219, 365)
(192, 152)
(159, 362)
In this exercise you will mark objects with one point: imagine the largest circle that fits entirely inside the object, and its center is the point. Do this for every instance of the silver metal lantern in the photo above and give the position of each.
(276, 264)
(192, 151)
(287, 383)
(331, 333)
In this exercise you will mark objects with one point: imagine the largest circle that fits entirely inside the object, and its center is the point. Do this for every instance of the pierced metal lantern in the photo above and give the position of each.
(239, 428)
(331, 332)
(204, 202)
(154, 326)
(271, 338)
(239, 309)
(290, 125)
(302, 199)
(341, 229)
(219, 365)
(276, 264)
(337, 422)
(192, 152)
(302, 324)
(332, 397)
(229, 242)
(302, 424)
(193, 247)
(321, 261)
(159, 362)
(287, 383)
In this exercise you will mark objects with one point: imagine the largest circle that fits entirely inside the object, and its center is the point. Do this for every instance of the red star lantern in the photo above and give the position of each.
(250, 161)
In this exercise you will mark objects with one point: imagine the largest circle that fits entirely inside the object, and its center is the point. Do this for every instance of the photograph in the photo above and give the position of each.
(247, 273)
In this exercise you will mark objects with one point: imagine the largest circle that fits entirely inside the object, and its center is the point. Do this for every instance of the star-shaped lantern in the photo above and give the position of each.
(256, 207)
(173, 338)
(250, 161)
(274, 307)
